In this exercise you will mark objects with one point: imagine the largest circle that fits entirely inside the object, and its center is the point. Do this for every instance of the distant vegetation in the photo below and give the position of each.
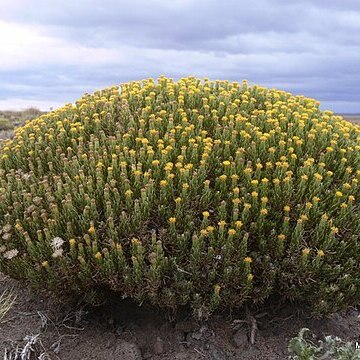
(354, 118)
(12, 119)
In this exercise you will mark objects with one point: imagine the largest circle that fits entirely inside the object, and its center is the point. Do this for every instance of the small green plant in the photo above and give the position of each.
(192, 192)
(332, 348)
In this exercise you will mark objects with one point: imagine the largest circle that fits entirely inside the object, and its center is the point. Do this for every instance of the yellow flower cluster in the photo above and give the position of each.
(188, 186)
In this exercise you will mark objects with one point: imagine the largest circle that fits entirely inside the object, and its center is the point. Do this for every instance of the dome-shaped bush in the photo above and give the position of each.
(192, 192)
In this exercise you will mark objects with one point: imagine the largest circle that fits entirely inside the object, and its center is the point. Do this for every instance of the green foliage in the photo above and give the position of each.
(332, 348)
(200, 193)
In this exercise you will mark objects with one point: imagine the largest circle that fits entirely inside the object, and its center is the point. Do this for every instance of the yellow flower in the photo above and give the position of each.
(206, 214)
(203, 232)
(128, 193)
(178, 200)
(217, 289)
(308, 205)
(98, 255)
(226, 163)
(339, 194)
(222, 223)
(248, 260)
(287, 208)
(45, 264)
(263, 211)
(163, 183)
(91, 230)
(320, 253)
(334, 230)
(282, 237)
(223, 177)
(135, 241)
(254, 194)
(306, 251)
(304, 177)
(238, 224)
(231, 232)
(18, 226)
(172, 220)
(72, 242)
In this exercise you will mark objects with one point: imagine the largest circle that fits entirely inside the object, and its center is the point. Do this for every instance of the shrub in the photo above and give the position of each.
(200, 193)
(5, 124)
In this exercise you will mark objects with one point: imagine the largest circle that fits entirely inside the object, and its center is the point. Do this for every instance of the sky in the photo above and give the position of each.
(51, 52)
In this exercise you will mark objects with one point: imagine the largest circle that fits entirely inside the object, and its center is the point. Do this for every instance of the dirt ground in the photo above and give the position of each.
(122, 331)
(40, 327)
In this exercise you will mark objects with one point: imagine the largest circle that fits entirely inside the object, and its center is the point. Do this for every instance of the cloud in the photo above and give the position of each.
(55, 51)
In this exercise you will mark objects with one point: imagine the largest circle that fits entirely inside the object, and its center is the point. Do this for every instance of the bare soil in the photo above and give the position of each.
(121, 330)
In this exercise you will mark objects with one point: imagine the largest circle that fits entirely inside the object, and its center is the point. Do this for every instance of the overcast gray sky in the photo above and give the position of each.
(51, 52)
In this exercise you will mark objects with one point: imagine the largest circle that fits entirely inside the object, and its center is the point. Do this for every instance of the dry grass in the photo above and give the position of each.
(7, 300)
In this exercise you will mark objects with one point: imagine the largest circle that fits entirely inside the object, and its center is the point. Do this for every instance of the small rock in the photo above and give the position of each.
(127, 351)
(158, 347)
(241, 339)
(218, 354)
(203, 332)
(147, 355)
(182, 356)
(110, 343)
(196, 335)
(179, 336)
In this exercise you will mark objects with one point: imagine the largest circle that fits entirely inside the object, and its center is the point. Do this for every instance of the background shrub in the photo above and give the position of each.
(202, 193)
(5, 124)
